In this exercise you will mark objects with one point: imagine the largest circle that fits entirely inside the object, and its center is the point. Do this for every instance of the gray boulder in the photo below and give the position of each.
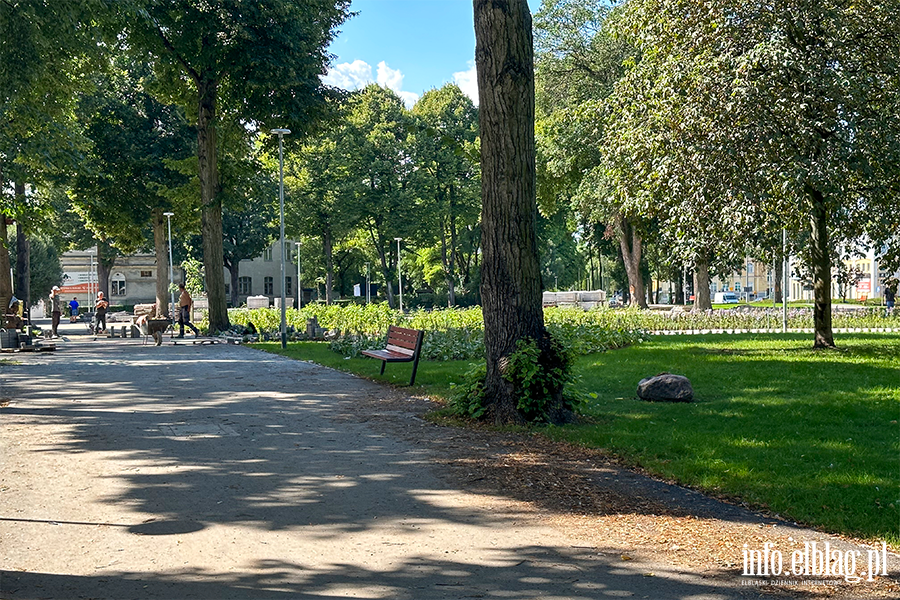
(666, 387)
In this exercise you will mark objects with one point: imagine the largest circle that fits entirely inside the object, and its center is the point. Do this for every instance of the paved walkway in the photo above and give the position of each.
(135, 471)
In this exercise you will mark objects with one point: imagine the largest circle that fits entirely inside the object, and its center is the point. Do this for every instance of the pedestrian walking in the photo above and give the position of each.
(55, 310)
(73, 310)
(100, 313)
(185, 305)
(889, 296)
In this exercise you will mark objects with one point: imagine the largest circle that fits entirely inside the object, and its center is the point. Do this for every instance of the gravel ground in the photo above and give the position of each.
(135, 471)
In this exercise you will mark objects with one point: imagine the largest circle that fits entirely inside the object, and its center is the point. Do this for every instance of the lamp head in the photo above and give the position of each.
(280, 132)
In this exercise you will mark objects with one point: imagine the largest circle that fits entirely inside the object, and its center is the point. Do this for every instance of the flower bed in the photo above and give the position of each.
(458, 333)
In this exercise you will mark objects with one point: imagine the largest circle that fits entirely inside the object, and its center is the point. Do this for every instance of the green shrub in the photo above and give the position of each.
(468, 399)
(541, 379)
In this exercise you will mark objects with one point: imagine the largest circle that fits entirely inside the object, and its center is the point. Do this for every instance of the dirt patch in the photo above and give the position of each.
(606, 506)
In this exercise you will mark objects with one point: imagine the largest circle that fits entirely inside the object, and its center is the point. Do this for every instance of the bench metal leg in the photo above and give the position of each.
(419, 338)
(383, 364)
(412, 378)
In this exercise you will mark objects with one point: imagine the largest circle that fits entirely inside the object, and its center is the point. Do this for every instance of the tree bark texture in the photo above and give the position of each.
(233, 274)
(23, 257)
(5, 279)
(702, 301)
(630, 243)
(105, 265)
(160, 247)
(328, 251)
(510, 272)
(211, 206)
(23, 271)
(779, 277)
(821, 267)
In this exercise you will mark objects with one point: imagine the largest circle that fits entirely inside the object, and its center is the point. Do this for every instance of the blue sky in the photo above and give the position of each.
(409, 46)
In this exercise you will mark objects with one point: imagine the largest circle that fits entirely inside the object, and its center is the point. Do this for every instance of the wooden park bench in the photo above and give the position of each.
(403, 345)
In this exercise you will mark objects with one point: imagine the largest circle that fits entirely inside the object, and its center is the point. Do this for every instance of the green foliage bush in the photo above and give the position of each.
(467, 399)
(450, 333)
(540, 380)
(539, 377)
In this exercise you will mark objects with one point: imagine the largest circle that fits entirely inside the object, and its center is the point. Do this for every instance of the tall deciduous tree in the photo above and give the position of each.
(578, 63)
(119, 188)
(46, 48)
(260, 60)
(511, 277)
(792, 106)
(382, 162)
(448, 172)
(322, 187)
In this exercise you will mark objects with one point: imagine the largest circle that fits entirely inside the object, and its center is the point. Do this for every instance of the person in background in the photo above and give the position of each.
(55, 310)
(185, 304)
(73, 310)
(890, 295)
(100, 313)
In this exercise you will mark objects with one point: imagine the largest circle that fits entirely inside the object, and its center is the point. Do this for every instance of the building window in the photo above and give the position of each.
(750, 268)
(117, 285)
(267, 254)
(288, 288)
(244, 286)
(146, 273)
(269, 286)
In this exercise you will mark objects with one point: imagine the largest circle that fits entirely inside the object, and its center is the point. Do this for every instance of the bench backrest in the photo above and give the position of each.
(404, 341)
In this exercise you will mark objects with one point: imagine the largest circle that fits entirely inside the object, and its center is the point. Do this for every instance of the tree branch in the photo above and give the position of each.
(168, 45)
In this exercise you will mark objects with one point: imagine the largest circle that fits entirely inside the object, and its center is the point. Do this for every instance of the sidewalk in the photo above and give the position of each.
(132, 471)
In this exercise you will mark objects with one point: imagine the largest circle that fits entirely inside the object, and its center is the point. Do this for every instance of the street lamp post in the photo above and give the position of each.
(399, 276)
(281, 133)
(299, 284)
(169, 216)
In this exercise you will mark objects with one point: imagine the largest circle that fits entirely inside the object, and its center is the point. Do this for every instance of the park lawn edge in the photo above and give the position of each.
(436, 386)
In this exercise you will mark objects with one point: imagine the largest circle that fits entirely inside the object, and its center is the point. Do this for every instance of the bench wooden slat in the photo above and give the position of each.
(400, 349)
(403, 345)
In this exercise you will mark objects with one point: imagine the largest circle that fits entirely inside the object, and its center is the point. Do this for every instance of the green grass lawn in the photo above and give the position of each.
(810, 435)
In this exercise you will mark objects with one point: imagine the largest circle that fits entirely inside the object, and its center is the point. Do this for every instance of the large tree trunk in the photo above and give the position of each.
(386, 271)
(105, 265)
(679, 286)
(779, 276)
(511, 281)
(23, 258)
(630, 243)
(821, 268)
(23, 271)
(160, 247)
(328, 251)
(211, 206)
(451, 270)
(702, 300)
(5, 279)
(234, 272)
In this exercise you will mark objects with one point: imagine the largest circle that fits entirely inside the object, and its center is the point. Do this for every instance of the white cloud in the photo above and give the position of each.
(358, 74)
(349, 76)
(468, 82)
(388, 77)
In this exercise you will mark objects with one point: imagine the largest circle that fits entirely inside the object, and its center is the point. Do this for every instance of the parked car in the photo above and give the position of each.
(725, 298)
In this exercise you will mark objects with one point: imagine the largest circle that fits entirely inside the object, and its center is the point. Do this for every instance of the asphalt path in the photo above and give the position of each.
(187, 471)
